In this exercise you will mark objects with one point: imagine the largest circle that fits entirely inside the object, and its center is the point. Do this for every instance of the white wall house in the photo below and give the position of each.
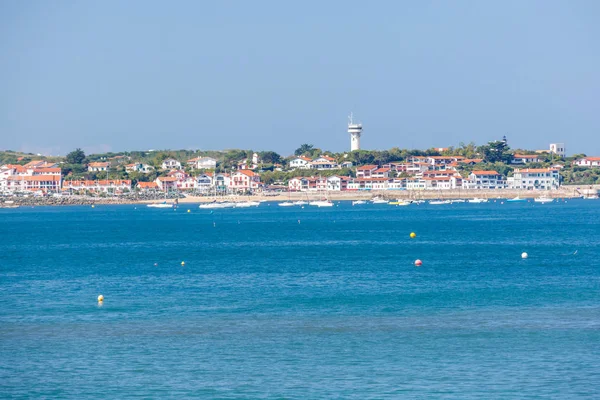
(558, 149)
(534, 178)
(204, 183)
(143, 168)
(588, 162)
(525, 158)
(171, 163)
(323, 163)
(202, 163)
(485, 180)
(243, 180)
(98, 166)
(300, 163)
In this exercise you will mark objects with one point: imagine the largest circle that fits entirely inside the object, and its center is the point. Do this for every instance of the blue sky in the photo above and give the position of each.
(125, 75)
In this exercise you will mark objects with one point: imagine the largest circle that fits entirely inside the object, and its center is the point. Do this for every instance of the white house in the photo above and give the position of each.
(202, 163)
(337, 183)
(170, 163)
(244, 180)
(323, 163)
(300, 163)
(365, 171)
(525, 158)
(558, 149)
(106, 186)
(485, 180)
(534, 178)
(143, 168)
(166, 183)
(221, 182)
(588, 162)
(204, 182)
(98, 166)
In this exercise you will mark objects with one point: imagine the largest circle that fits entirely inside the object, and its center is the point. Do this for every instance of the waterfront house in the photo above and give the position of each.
(204, 183)
(534, 178)
(114, 186)
(166, 183)
(485, 180)
(244, 180)
(381, 173)
(337, 183)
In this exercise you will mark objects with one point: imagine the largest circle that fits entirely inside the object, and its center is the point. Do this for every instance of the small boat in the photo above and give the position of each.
(543, 200)
(300, 203)
(321, 203)
(439, 202)
(161, 205)
(458, 201)
(358, 202)
(477, 200)
(246, 204)
(399, 203)
(223, 204)
(286, 204)
(516, 199)
(378, 200)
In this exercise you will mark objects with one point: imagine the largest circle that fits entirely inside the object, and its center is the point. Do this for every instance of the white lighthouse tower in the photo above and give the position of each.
(355, 131)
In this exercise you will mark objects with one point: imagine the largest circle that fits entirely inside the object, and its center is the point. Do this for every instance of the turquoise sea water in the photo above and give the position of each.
(280, 302)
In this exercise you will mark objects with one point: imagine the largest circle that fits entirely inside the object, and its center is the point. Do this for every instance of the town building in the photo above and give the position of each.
(244, 180)
(355, 131)
(534, 178)
(97, 186)
(485, 180)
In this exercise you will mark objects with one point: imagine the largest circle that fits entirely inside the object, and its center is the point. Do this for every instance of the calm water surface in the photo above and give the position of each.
(301, 303)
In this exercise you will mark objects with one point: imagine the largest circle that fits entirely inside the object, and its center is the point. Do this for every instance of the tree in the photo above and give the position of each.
(77, 156)
(497, 151)
(305, 148)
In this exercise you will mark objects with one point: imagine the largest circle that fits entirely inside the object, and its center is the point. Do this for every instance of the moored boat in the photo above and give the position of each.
(516, 199)
(543, 199)
(358, 202)
(477, 200)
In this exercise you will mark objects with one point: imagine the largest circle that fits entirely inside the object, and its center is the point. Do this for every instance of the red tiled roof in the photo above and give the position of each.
(534, 170)
(98, 164)
(53, 178)
(485, 173)
(366, 168)
(147, 185)
(167, 179)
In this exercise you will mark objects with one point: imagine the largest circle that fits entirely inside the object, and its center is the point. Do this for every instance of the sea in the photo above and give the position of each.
(301, 302)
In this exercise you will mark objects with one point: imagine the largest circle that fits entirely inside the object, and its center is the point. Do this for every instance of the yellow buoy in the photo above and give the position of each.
(189, 211)
(413, 235)
(100, 298)
(182, 263)
(93, 206)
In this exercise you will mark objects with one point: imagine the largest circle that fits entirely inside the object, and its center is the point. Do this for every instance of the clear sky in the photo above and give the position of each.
(124, 75)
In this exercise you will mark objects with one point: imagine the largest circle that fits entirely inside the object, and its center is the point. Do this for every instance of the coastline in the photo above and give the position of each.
(563, 192)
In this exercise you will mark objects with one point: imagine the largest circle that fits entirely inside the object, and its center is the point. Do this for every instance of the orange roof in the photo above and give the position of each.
(98, 164)
(48, 170)
(485, 173)
(381, 170)
(371, 179)
(247, 172)
(526, 156)
(366, 167)
(472, 160)
(591, 158)
(167, 179)
(147, 185)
